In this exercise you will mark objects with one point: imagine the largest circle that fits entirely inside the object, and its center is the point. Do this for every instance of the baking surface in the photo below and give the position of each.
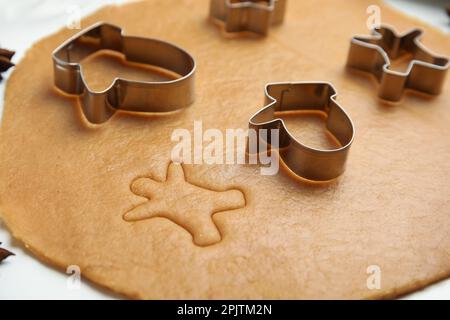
(291, 240)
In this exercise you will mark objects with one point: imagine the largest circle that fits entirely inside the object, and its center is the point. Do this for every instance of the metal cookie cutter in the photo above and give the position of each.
(426, 72)
(129, 95)
(309, 163)
(248, 15)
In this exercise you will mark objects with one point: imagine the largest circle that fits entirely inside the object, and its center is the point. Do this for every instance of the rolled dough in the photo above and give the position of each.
(66, 186)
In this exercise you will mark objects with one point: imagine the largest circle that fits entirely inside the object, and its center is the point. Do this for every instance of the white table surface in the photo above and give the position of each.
(26, 21)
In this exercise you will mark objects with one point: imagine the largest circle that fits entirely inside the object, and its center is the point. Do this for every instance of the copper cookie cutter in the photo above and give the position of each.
(425, 73)
(123, 94)
(309, 163)
(248, 15)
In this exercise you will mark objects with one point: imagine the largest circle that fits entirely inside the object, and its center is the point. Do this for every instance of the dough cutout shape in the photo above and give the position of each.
(170, 198)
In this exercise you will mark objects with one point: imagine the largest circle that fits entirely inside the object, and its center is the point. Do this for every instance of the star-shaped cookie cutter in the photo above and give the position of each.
(309, 163)
(248, 15)
(123, 94)
(426, 71)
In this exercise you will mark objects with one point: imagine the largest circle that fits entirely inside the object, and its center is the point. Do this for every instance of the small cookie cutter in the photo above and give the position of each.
(309, 163)
(129, 95)
(426, 72)
(248, 15)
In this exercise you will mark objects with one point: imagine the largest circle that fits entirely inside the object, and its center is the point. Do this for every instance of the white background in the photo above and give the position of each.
(24, 22)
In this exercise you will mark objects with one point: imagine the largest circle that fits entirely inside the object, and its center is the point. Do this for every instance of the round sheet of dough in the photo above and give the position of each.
(107, 198)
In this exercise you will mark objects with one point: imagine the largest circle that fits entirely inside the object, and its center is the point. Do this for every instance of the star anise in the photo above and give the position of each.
(5, 60)
(5, 254)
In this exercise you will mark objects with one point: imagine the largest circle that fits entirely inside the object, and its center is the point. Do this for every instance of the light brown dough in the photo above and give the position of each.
(65, 186)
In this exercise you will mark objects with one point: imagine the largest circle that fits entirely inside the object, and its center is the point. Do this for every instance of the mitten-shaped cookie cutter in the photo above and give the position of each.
(129, 95)
(309, 163)
(248, 15)
(426, 72)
